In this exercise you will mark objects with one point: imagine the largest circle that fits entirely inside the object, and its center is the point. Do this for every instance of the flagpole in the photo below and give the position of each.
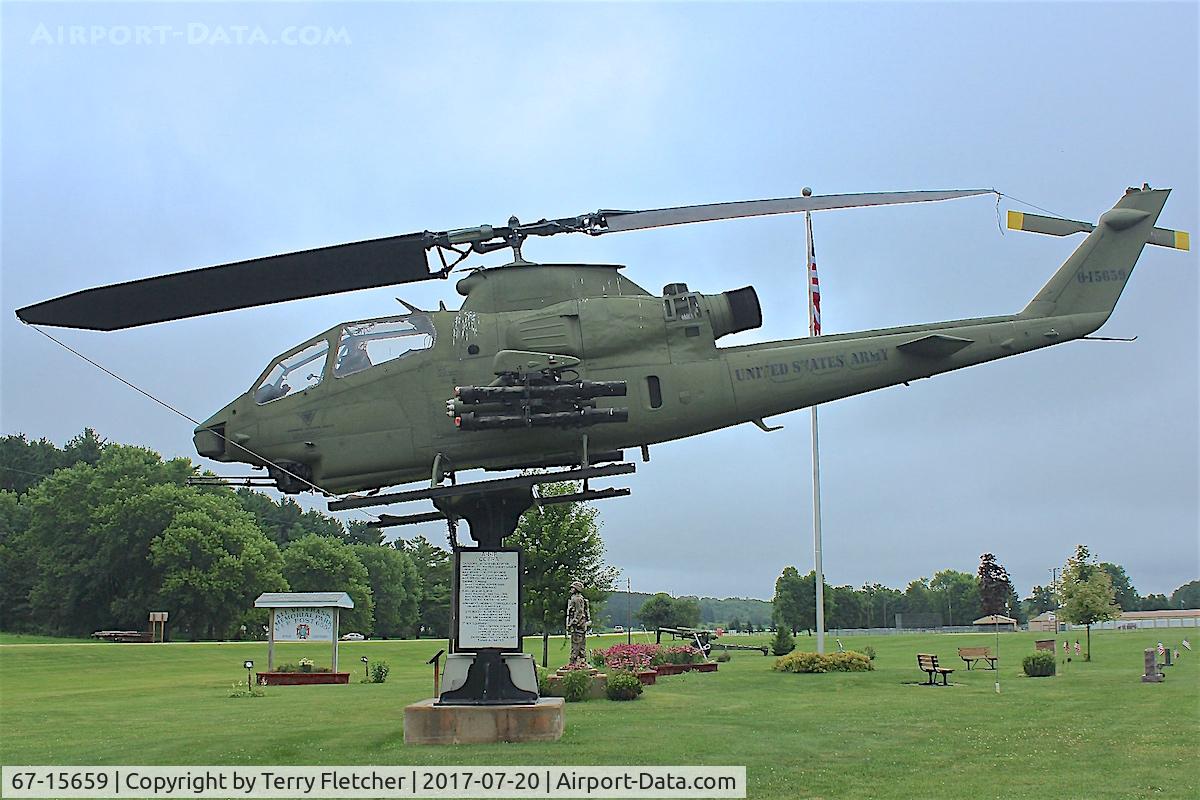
(814, 329)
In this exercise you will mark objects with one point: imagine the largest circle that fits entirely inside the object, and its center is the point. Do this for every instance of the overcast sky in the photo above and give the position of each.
(203, 143)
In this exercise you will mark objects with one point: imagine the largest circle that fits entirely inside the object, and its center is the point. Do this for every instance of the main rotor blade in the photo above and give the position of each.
(612, 221)
(259, 281)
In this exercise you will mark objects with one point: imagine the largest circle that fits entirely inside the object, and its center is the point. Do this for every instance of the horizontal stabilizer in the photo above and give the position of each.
(936, 345)
(1055, 226)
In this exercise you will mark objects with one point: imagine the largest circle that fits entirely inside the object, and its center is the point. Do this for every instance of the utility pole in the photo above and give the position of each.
(628, 612)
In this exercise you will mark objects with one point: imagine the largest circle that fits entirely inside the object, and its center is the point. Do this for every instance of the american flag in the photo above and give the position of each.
(1162, 651)
(814, 286)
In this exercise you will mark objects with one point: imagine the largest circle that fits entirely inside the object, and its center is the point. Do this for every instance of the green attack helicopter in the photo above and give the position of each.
(568, 365)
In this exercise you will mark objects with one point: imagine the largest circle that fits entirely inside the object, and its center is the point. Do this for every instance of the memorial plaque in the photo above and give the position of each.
(488, 599)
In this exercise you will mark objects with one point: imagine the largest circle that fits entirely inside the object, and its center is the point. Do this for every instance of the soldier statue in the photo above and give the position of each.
(579, 617)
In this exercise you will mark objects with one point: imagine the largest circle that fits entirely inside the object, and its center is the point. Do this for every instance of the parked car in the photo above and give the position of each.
(619, 629)
(352, 637)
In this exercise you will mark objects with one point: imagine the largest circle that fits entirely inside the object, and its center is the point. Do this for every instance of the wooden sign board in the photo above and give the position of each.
(303, 624)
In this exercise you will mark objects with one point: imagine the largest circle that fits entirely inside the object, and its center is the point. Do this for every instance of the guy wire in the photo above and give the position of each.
(172, 408)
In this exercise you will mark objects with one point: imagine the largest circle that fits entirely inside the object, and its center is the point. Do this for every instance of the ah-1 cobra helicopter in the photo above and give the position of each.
(567, 364)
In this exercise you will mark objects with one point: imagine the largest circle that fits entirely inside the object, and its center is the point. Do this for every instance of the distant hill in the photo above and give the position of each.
(714, 612)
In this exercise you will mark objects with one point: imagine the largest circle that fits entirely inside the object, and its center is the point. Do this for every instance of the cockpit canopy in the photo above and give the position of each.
(357, 346)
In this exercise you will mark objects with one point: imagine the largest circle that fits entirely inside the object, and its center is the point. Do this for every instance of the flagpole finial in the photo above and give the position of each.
(806, 191)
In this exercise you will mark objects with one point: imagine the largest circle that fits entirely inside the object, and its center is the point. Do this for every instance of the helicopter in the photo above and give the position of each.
(568, 365)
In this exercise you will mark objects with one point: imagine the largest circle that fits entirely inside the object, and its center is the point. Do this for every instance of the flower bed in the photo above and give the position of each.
(628, 657)
(639, 657)
(301, 678)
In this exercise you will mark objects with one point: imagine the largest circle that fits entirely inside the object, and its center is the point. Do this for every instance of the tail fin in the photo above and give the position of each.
(1091, 280)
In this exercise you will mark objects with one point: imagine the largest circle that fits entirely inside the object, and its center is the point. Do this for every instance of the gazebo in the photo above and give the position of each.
(994, 621)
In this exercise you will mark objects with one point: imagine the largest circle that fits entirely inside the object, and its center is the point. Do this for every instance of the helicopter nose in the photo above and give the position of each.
(210, 441)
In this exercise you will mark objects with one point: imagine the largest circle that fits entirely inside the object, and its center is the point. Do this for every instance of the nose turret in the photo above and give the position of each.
(218, 436)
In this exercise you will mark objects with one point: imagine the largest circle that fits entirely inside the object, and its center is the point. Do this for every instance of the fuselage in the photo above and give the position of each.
(386, 423)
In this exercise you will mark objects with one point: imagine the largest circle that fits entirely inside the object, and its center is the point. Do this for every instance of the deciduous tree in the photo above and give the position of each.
(561, 544)
(89, 535)
(395, 589)
(1124, 592)
(1186, 596)
(324, 564)
(214, 561)
(1040, 600)
(1087, 594)
(957, 595)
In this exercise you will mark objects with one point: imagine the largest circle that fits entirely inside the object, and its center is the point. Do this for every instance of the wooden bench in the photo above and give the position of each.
(973, 655)
(929, 663)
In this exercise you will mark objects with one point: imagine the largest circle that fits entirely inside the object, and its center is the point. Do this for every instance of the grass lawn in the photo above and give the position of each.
(1094, 731)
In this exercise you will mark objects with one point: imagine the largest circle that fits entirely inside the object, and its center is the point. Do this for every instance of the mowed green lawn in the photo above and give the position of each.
(1095, 731)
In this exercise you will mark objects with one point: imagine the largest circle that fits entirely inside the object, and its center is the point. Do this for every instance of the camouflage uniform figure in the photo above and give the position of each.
(579, 617)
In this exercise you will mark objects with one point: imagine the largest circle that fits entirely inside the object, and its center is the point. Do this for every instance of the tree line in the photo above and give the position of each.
(94, 535)
(622, 608)
(954, 598)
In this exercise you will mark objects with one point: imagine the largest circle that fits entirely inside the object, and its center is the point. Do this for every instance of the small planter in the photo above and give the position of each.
(708, 666)
(671, 669)
(301, 678)
(646, 676)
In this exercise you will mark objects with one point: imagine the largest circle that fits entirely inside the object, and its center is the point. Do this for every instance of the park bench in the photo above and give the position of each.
(973, 655)
(929, 663)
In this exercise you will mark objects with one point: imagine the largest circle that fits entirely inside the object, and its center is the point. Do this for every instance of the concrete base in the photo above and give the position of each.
(426, 723)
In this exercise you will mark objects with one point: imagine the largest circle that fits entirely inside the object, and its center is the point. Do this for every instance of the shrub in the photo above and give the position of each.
(723, 656)
(379, 672)
(575, 685)
(800, 662)
(683, 654)
(543, 679)
(869, 652)
(623, 686)
(815, 662)
(782, 642)
(849, 661)
(1039, 665)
